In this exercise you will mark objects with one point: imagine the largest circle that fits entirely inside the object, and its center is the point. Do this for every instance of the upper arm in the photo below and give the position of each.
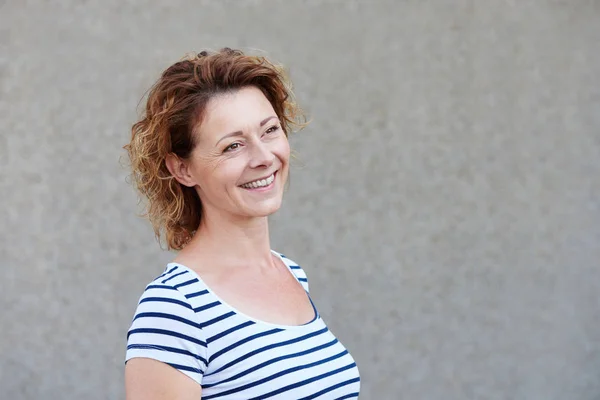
(148, 379)
(166, 348)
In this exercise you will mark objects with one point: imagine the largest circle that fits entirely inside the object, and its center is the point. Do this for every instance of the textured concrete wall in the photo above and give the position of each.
(445, 204)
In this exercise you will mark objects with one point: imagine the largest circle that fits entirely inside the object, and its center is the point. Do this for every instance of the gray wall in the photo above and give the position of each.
(445, 203)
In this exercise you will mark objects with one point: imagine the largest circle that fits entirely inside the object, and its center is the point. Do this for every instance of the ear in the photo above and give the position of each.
(180, 170)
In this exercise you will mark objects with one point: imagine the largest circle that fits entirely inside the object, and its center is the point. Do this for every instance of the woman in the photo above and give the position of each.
(229, 318)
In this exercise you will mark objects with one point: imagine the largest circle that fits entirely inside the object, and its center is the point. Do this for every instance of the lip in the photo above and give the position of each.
(264, 177)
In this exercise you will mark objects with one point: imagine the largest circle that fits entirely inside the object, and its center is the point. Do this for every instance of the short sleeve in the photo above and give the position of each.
(165, 328)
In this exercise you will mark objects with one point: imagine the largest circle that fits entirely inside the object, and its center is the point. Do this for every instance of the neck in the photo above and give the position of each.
(231, 241)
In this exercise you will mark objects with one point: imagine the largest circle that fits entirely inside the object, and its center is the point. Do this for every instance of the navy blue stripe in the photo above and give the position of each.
(228, 331)
(174, 276)
(167, 316)
(269, 347)
(272, 361)
(200, 293)
(275, 376)
(303, 279)
(185, 368)
(166, 333)
(314, 309)
(294, 267)
(186, 283)
(304, 382)
(166, 300)
(329, 389)
(217, 319)
(160, 287)
(349, 396)
(207, 306)
(241, 342)
(165, 348)
(166, 273)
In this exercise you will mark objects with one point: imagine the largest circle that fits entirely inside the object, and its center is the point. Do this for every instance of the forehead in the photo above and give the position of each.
(232, 111)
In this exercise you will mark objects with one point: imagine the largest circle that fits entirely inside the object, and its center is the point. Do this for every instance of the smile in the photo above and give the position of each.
(260, 182)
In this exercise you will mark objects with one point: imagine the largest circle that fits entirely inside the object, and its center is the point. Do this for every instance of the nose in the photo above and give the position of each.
(261, 155)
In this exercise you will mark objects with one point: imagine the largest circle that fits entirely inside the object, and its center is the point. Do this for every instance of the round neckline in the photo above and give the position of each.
(241, 314)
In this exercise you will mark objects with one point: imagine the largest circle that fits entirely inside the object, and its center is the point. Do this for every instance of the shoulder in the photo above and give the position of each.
(169, 287)
(176, 277)
(168, 297)
(296, 269)
(177, 289)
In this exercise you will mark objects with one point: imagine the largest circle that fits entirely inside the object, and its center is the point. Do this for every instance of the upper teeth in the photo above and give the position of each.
(260, 182)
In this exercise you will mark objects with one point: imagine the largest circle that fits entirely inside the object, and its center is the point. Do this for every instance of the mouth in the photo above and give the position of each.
(262, 183)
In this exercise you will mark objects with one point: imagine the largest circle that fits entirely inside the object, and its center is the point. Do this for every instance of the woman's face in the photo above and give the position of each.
(240, 162)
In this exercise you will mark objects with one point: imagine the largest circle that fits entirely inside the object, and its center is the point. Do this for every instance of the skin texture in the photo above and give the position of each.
(239, 140)
(147, 379)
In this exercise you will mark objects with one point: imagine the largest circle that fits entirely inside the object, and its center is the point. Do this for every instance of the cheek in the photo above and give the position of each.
(230, 171)
(214, 177)
(283, 150)
(228, 174)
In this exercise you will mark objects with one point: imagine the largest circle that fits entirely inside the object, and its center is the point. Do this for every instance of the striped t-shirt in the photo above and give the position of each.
(181, 322)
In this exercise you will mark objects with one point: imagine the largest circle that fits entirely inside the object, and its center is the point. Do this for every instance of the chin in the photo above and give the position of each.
(269, 211)
(266, 209)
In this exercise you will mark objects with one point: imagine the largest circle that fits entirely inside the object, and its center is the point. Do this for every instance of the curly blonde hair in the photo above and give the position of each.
(175, 106)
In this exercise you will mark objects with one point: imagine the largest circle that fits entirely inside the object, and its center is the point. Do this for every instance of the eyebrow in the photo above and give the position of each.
(240, 133)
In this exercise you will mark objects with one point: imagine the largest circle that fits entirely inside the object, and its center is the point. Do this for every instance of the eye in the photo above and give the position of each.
(272, 129)
(231, 147)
